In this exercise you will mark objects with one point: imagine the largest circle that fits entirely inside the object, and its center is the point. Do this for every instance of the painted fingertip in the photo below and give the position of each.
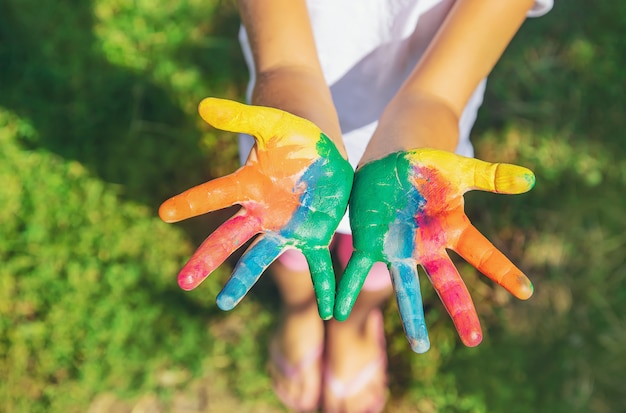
(341, 313)
(187, 281)
(525, 290)
(168, 213)
(419, 346)
(205, 106)
(345, 300)
(326, 315)
(325, 311)
(468, 327)
(233, 292)
(217, 111)
(226, 302)
(514, 179)
(473, 338)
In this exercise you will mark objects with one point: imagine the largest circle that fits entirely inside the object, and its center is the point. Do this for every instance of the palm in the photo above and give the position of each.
(420, 216)
(293, 190)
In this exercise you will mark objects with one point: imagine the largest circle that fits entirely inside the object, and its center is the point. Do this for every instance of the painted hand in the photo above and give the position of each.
(407, 209)
(293, 190)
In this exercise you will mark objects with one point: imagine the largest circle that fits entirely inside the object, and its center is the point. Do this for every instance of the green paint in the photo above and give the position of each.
(380, 191)
(329, 181)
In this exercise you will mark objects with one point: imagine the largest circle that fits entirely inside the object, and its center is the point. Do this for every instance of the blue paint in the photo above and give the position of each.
(400, 238)
(409, 298)
(249, 269)
(301, 214)
(328, 181)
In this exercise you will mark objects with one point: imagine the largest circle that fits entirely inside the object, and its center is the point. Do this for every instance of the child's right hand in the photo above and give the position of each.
(293, 189)
(407, 209)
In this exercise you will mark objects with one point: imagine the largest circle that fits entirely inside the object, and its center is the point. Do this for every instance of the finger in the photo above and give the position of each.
(216, 248)
(409, 298)
(323, 276)
(351, 282)
(455, 298)
(263, 123)
(248, 270)
(469, 173)
(498, 177)
(486, 258)
(210, 196)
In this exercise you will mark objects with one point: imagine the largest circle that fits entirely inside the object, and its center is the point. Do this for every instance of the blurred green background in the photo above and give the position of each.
(98, 125)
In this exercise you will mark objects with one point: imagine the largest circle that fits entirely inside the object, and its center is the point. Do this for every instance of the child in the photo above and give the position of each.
(377, 76)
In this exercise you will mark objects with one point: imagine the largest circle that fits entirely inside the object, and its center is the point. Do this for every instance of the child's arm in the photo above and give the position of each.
(407, 200)
(295, 185)
(288, 71)
(426, 110)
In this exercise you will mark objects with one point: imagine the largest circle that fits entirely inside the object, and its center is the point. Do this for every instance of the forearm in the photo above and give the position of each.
(426, 110)
(413, 121)
(288, 73)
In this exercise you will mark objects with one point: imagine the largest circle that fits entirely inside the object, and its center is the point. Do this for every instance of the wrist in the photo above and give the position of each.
(301, 92)
(411, 122)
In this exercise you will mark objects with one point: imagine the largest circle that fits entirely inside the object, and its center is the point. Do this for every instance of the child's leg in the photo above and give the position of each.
(292, 277)
(297, 344)
(354, 353)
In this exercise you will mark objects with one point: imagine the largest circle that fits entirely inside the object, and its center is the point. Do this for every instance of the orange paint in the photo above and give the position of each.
(284, 192)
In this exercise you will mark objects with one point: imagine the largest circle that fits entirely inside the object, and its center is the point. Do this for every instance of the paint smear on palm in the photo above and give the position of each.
(282, 203)
(443, 178)
(437, 222)
(407, 208)
(293, 190)
(322, 198)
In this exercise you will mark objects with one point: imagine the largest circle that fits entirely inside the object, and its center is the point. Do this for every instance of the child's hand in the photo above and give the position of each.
(405, 210)
(293, 189)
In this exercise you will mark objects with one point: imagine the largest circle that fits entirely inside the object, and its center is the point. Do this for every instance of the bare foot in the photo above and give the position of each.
(355, 377)
(296, 358)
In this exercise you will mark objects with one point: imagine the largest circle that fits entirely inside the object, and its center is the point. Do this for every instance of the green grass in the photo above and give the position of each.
(98, 125)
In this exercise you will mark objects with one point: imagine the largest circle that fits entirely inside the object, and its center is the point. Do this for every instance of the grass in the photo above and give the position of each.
(98, 125)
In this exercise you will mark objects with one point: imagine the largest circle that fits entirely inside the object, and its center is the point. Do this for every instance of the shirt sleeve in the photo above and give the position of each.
(540, 8)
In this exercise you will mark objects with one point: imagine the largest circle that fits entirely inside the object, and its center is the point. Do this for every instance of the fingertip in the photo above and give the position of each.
(418, 337)
(187, 281)
(344, 302)
(210, 103)
(214, 109)
(518, 284)
(468, 327)
(526, 290)
(472, 338)
(326, 316)
(514, 179)
(226, 302)
(206, 108)
(530, 178)
(342, 312)
(167, 212)
(232, 293)
(419, 345)
(325, 310)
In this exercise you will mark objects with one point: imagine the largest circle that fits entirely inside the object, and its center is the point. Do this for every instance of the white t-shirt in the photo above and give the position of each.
(367, 49)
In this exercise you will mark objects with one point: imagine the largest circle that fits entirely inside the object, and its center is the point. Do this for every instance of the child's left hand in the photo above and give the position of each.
(293, 190)
(407, 209)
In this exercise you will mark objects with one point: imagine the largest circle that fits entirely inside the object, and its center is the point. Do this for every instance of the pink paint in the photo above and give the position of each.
(455, 298)
(216, 249)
